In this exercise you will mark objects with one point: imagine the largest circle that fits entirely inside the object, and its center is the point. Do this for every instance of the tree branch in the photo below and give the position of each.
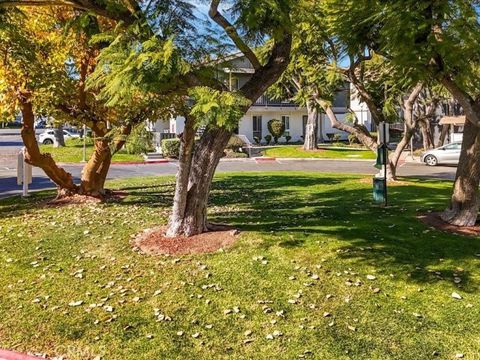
(468, 103)
(216, 16)
(269, 73)
(123, 15)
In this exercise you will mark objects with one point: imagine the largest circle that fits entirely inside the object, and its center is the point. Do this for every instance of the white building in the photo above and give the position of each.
(253, 125)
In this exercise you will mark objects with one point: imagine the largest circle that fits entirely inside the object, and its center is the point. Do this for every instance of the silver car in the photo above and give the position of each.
(448, 154)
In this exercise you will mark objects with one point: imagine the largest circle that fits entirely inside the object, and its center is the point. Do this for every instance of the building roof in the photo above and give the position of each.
(453, 120)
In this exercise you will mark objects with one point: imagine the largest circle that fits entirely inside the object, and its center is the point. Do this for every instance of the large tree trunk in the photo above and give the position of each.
(95, 170)
(187, 142)
(311, 128)
(464, 205)
(190, 211)
(59, 138)
(33, 156)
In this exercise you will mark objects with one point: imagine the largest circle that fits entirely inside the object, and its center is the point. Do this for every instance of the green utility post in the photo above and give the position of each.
(380, 193)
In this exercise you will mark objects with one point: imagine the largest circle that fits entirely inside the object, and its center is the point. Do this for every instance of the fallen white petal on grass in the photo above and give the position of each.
(456, 296)
(75, 303)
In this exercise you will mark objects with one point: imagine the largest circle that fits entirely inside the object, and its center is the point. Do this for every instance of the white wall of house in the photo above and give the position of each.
(159, 126)
(245, 126)
(296, 122)
(327, 128)
(360, 109)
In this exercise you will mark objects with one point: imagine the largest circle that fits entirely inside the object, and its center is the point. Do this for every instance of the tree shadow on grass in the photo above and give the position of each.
(299, 210)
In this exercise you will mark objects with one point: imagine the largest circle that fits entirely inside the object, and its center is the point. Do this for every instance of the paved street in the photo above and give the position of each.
(10, 143)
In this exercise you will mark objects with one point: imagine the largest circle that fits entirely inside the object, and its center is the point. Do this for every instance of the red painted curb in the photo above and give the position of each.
(10, 355)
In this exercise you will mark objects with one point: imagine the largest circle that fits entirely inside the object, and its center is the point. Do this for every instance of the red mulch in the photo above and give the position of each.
(434, 220)
(368, 180)
(77, 199)
(154, 242)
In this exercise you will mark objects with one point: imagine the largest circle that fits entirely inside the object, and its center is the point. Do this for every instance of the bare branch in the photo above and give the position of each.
(216, 16)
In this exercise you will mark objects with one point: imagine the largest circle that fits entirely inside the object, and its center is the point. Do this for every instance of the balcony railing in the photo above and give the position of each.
(266, 101)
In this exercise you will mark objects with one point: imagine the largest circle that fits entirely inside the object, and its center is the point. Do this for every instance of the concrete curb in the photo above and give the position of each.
(162, 161)
(325, 159)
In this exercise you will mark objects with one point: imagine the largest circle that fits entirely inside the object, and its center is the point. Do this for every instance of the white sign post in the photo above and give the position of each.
(24, 172)
(383, 133)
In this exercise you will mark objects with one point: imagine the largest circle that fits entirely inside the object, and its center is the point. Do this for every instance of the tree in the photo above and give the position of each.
(441, 44)
(314, 77)
(153, 64)
(32, 67)
(58, 89)
(163, 67)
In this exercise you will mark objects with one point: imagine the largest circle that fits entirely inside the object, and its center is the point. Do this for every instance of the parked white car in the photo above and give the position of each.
(448, 154)
(48, 136)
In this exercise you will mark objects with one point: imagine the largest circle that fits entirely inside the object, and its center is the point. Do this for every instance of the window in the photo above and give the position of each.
(454, 146)
(257, 126)
(286, 122)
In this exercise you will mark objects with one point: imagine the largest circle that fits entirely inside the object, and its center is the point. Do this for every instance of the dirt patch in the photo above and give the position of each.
(77, 199)
(434, 220)
(368, 180)
(154, 242)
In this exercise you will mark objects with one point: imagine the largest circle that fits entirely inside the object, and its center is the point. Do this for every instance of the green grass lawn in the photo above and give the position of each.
(292, 151)
(73, 152)
(299, 269)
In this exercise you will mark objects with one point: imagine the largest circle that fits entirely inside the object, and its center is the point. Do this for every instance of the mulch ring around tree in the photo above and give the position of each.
(434, 220)
(369, 180)
(154, 242)
(77, 199)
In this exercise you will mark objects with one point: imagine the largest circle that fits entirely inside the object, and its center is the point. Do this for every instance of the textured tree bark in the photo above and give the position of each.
(187, 142)
(95, 170)
(427, 135)
(359, 131)
(443, 135)
(190, 207)
(464, 205)
(33, 156)
(395, 157)
(311, 128)
(410, 124)
(59, 138)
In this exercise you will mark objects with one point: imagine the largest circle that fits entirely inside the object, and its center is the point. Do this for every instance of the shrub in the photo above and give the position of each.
(257, 140)
(171, 148)
(276, 128)
(330, 136)
(235, 143)
(140, 141)
(336, 137)
(352, 139)
(288, 138)
(235, 155)
(268, 139)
